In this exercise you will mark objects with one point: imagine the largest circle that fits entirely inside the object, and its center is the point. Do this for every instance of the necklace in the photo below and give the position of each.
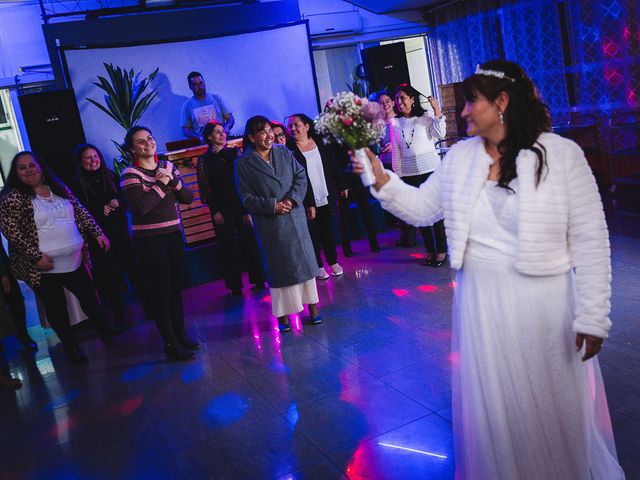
(413, 130)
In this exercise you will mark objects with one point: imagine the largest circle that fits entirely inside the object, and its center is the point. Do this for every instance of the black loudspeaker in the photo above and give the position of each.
(54, 128)
(386, 66)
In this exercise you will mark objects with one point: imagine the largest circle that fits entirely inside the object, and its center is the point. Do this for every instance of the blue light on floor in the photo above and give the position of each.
(224, 410)
(193, 372)
(137, 373)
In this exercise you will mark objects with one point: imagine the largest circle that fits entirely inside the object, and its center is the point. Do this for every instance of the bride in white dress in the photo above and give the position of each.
(528, 238)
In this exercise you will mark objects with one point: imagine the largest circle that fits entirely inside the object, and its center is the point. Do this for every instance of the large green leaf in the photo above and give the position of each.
(124, 100)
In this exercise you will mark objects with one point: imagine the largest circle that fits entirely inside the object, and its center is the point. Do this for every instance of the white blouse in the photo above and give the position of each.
(413, 150)
(58, 233)
(316, 177)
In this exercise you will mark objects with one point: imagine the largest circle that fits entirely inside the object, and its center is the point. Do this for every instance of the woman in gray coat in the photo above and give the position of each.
(272, 186)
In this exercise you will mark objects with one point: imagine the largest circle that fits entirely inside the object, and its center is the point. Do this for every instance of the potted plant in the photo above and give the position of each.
(125, 101)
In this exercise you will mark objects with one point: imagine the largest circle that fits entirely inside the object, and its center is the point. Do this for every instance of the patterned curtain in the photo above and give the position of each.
(526, 31)
(606, 39)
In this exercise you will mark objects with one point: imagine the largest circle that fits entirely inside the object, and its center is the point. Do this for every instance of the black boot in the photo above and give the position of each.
(176, 352)
(186, 342)
(75, 355)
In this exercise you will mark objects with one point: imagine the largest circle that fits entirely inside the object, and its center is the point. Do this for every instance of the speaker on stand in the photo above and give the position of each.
(386, 66)
(54, 128)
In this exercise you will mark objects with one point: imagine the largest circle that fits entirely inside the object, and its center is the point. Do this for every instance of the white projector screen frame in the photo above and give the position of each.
(268, 72)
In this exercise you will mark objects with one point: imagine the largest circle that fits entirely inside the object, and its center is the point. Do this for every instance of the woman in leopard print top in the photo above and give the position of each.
(46, 228)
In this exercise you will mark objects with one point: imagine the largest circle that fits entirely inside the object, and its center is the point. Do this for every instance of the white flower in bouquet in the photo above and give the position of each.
(352, 121)
(355, 122)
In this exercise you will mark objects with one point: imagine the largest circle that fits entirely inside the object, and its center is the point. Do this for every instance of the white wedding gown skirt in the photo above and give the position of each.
(525, 406)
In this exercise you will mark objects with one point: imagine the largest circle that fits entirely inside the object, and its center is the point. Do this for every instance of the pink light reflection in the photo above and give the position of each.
(126, 408)
(417, 255)
(400, 292)
(427, 288)
(453, 285)
(454, 359)
(267, 299)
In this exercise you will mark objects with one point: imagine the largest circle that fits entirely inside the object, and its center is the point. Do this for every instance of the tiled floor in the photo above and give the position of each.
(325, 402)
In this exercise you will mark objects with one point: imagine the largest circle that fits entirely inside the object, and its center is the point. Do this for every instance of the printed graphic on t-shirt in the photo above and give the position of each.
(204, 114)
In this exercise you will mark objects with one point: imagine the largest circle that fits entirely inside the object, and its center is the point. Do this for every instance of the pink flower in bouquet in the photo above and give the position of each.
(346, 120)
(358, 101)
(372, 111)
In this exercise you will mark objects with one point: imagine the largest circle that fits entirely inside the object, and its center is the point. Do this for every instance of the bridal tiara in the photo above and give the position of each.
(493, 73)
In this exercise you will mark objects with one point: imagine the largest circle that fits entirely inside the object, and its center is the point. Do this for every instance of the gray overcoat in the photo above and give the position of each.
(284, 239)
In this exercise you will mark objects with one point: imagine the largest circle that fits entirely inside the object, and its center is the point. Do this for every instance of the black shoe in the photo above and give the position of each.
(76, 356)
(177, 353)
(439, 263)
(375, 248)
(188, 344)
(347, 252)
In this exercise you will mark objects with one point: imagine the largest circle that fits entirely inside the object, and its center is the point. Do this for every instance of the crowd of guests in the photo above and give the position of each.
(525, 228)
(273, 206)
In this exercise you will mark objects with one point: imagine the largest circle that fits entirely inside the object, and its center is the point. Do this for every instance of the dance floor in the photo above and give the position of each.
(366, 395)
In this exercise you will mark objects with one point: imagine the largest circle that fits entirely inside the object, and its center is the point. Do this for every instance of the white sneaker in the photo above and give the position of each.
(322, 274)
(336, 270)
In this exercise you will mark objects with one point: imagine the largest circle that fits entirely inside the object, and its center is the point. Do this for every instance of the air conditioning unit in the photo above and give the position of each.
(329, 24)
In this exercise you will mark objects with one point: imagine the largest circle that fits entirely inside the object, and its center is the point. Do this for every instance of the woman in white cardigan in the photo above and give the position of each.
(527, 235)
(414, 158)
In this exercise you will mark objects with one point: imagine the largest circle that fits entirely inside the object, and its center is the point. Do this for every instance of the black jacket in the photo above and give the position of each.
(333, 172)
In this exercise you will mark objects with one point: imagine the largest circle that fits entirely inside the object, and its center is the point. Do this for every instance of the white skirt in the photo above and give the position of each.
(289, 300)
(525, 406)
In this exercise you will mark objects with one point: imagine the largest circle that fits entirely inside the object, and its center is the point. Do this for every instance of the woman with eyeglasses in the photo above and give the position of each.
(279, 132)
(326, 182)
(272, 186)
(152, 188)
(414, 158)
(216, 182)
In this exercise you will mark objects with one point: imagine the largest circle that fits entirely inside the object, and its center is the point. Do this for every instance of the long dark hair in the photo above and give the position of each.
(49, 178)
(306, 119)
(208, 128)
(127, 146)
(83, 177)
(525, 117)
(416, 108)
(253, 126)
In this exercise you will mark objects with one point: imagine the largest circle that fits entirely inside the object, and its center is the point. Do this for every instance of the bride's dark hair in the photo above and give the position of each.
(525, 117)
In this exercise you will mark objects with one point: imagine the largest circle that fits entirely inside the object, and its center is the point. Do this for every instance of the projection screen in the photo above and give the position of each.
(269, 72)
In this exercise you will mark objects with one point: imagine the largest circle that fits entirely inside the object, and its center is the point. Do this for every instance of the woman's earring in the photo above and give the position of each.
(501, 116)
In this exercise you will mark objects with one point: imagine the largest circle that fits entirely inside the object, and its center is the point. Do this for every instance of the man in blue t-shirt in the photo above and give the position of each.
(203, 107)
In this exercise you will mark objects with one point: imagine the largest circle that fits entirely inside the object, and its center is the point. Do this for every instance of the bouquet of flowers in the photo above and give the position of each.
(355, 122)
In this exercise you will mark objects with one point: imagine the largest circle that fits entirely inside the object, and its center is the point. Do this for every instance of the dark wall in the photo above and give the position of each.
(165, 26)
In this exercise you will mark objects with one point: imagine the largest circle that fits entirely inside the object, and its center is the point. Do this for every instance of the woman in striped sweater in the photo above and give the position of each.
(152, 188)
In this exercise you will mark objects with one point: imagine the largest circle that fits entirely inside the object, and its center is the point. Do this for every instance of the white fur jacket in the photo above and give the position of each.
(561, 222)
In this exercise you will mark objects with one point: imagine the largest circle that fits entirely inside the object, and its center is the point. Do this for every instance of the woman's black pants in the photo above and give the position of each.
(51, 293)
(359, 194)
(237, 241)
(163, 261)
(434, 237)
(322, 237)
